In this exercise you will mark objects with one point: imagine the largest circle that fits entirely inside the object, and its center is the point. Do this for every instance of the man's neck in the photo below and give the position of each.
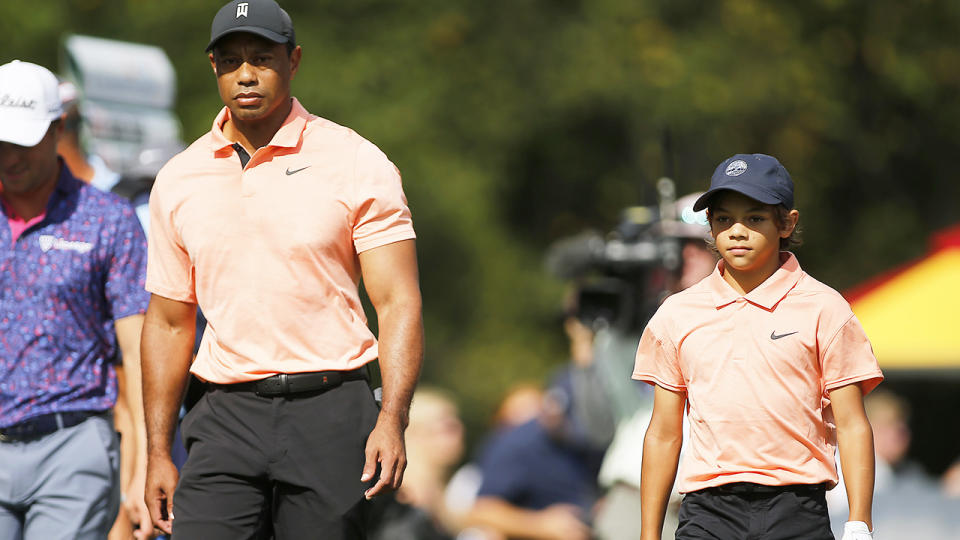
(27, 206)
(253, 135)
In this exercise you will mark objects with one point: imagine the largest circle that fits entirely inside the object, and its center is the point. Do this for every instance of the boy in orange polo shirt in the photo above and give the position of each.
(770, 366)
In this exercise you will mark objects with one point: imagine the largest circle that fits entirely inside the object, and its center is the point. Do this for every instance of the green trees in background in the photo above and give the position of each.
(519, 122)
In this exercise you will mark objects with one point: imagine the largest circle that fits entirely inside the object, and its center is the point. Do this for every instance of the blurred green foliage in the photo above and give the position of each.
(518, 122)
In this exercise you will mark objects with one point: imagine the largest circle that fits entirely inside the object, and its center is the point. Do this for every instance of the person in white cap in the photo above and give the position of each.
(73, 261)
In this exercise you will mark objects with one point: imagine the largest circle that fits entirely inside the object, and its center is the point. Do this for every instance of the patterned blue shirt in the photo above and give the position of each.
(62, 284)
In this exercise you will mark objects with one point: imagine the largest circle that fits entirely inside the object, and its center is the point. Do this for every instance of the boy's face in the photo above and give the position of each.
(746, 233)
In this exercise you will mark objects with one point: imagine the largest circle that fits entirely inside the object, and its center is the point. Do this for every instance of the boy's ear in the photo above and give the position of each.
(790, 223)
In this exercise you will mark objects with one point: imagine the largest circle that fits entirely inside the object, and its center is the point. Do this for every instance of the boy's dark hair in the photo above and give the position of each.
(780, 213)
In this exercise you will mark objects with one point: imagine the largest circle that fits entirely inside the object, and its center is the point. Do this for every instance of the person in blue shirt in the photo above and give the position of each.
(72, 267)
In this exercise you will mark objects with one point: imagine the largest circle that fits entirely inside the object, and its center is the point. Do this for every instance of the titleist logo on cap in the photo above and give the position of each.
(6, 100)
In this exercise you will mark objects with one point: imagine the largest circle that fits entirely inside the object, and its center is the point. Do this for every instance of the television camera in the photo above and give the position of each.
(621, 277)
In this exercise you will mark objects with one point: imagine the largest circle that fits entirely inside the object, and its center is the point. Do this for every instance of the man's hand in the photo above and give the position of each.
(162, 478)
(385, 446)
(856, 530)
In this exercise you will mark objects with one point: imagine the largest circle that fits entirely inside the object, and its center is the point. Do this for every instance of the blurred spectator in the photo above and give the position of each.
(435, 445)
(539, 478)
(907, 503)
(950, 482)
(522, 403)
(88, 167)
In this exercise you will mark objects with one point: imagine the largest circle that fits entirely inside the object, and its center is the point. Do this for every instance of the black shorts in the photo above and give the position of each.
(285, 466)
(747, 511)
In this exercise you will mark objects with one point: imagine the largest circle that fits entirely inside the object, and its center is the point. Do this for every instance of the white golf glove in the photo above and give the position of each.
(856, 530)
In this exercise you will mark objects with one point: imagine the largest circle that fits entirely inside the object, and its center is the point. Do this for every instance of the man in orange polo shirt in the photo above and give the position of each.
(268, 223)
(770, 366)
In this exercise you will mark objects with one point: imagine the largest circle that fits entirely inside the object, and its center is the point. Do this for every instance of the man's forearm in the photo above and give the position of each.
(165, 353)
(401, 356)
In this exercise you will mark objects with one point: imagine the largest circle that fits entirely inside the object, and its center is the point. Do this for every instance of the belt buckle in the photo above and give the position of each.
(276, 385)
(4, 437)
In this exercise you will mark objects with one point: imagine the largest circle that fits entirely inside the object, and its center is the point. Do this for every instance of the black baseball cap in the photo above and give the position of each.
(758, 176)
(264, 18)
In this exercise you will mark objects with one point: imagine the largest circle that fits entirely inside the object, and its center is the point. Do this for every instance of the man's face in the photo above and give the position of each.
(253, 75)
(25, 169)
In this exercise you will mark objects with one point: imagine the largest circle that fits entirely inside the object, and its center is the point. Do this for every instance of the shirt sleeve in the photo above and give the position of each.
(848, 358)
(381, 214)
(657, 360)
(126, 267)
(169, 270)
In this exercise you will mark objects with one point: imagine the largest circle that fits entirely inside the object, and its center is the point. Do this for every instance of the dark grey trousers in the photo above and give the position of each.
(787, 515)
(283, 466)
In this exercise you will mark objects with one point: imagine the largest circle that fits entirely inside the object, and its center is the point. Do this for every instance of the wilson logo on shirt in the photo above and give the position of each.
(48, 242)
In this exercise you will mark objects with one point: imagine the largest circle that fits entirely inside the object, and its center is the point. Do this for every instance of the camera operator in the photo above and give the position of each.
(614, 346)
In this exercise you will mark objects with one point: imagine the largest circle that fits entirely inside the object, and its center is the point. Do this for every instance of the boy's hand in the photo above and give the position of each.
(856, 530)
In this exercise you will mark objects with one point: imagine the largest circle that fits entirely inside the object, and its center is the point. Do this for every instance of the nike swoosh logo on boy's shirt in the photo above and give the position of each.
(295, 171)
(774, 335)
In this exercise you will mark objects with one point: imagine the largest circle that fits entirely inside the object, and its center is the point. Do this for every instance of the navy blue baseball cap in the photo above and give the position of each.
(264, 18)
(758, 176)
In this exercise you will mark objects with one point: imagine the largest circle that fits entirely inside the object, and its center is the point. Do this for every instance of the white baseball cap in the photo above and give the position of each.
(29, 102)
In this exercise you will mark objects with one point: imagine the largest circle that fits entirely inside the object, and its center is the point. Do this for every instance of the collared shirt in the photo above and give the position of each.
(757, 370)
(62, 284)
(269, 250)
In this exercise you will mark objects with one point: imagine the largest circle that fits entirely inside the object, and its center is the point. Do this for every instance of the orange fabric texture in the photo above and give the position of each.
(757, 371)
(269, 251)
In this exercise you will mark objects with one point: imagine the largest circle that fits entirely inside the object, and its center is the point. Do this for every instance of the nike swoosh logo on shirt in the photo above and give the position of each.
(774, 335)
(295, 171)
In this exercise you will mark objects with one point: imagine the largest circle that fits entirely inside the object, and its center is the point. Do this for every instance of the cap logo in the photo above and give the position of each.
(242, 9)
(6, 100)
(736, 168)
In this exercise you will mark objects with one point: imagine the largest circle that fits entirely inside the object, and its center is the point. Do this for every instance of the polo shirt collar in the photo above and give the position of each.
(67, 186)
(768, 294)
(288, 136)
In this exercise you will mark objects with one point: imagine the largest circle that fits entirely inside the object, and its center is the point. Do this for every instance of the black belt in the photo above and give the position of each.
(45, 424)
(748, 488)
(295, 383)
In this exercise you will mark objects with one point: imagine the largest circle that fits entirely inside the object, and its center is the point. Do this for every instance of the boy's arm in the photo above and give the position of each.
(855, 441)
(661, 453)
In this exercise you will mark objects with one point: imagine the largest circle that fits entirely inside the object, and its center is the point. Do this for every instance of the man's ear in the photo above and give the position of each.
(295, 56)
(213, 64)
